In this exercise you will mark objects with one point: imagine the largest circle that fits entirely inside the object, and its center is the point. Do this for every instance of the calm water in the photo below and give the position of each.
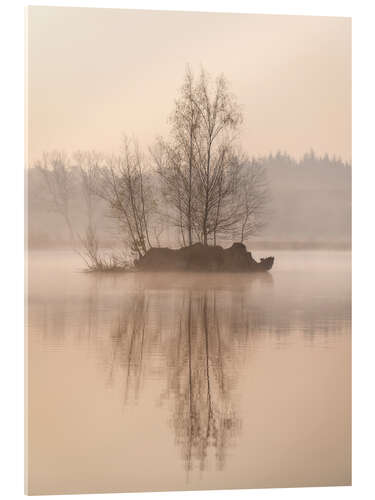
(169, 381)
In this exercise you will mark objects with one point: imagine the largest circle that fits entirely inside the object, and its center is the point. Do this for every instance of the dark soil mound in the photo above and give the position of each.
(199, 257)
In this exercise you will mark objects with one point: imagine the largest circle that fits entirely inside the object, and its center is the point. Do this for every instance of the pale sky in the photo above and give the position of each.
(94, 74)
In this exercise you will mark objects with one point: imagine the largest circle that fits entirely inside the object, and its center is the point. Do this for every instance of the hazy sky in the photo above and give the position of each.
(97, 73)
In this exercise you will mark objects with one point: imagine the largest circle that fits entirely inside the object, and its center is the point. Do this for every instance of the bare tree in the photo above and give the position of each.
(125, 186)
(176, 161)
(196, 166)
(56, 171)
(253, 197)
(224, 198)
(185, 122)
(89, 164)
(173, 187)
(220, 117)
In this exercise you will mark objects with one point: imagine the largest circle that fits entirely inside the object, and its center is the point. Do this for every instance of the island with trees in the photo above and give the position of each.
(196, 184)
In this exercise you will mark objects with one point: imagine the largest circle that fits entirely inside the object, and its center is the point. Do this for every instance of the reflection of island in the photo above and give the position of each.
(199, 365)
(187, 336)
(187, 331)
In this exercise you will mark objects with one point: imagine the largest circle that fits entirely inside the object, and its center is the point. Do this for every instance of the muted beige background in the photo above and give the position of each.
(96, 73)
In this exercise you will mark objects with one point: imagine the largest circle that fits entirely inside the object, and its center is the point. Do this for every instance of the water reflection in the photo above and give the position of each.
(171, 371)
(191, 332)
(200, 382)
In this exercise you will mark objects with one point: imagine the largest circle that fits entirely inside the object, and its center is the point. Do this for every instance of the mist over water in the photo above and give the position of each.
(155, 381)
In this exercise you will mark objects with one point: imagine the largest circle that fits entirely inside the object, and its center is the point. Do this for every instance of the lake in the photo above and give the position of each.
(186, 381)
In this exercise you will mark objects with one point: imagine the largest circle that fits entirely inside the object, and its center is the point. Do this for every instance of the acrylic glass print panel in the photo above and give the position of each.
(189, 251)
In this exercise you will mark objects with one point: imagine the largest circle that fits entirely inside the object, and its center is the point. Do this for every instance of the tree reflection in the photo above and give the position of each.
(196, 347)
(200, 382)
(128, 345)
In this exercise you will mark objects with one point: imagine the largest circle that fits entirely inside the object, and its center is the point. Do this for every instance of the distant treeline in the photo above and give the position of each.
(310, 207)
(310, 201)
(309, 159)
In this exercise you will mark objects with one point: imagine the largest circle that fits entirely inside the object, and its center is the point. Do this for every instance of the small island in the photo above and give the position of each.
(193, 189)
(199, 257)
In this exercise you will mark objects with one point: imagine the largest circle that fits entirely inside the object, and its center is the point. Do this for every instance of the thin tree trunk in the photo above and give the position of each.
(143, 210)
(207, 189)
(190, 187)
